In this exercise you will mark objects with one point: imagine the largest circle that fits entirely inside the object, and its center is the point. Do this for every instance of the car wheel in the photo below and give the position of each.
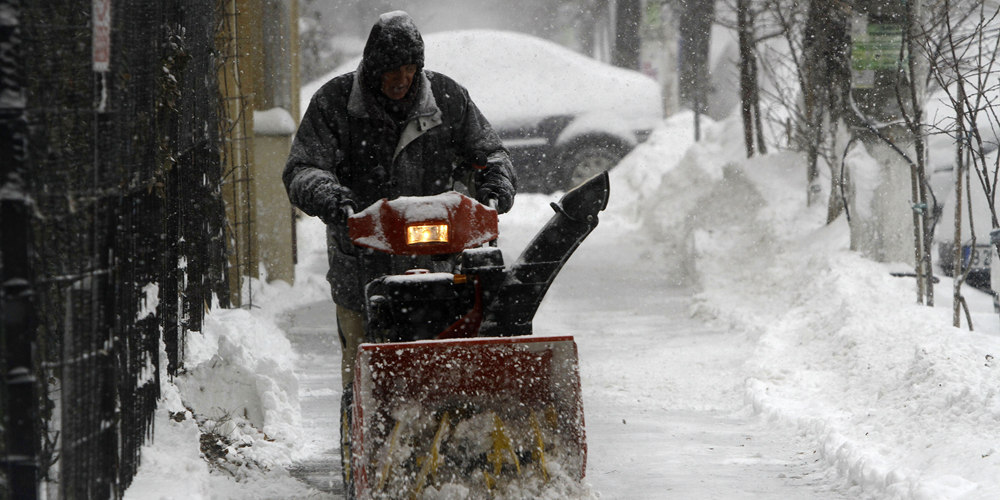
(584, 160)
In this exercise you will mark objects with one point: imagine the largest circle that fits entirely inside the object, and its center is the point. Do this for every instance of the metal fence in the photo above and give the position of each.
(121, 227)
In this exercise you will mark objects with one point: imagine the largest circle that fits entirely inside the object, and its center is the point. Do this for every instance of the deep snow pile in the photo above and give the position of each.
(900, 402)
(227, 426)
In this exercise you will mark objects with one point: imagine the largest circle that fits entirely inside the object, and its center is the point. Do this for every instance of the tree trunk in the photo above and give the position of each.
(924, 265)
(812, 47)
(961, 172)
(755, 99)
(695, 27)
(747, 62)
(825, 80)
(627, 42)
(840, 193)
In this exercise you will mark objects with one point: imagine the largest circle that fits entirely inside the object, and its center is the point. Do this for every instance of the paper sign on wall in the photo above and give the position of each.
(102, 35)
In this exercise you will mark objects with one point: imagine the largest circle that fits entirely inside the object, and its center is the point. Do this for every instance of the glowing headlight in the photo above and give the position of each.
(426, 233)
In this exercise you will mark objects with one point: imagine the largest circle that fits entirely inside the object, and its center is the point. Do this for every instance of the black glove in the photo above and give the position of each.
(501, 190)
(336, 200)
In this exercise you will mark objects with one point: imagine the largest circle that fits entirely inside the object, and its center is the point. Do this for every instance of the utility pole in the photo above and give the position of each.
(882, 89)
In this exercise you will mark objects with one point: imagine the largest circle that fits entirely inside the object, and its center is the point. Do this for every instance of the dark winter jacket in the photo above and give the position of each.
(349, 147)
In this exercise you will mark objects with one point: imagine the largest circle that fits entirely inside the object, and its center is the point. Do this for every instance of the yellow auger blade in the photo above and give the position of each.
(433, 459)
(538, 454)
(552, 417)
(491, 482)
(393, 444)
(493, 379)
(503, 447)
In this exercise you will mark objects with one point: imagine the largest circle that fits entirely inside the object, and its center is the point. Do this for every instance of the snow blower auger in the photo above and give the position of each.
(451, 393)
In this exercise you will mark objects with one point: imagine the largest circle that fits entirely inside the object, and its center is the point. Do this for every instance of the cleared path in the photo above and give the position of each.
(312, 331)
(663, 392)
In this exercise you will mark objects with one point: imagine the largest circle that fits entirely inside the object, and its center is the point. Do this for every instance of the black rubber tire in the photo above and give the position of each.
(346, 414)
(585, 158)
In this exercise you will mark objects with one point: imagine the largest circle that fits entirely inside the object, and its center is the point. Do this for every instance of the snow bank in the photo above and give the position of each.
(899, 402)
(229, 424)
(274, 121)
(240, 368)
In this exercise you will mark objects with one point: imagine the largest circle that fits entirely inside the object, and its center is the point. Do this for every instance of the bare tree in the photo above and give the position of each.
(923, 231)
(628, 19)
(695, 26)
(963, 47)
(825, 78)
(784, 20)
(749, 84)
(815, 53)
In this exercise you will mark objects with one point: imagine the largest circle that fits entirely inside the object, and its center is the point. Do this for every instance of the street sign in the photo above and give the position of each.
(874, 47)
(102, 35)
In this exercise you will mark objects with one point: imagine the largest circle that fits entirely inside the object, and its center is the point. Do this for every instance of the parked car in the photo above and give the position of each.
(563, 116)
(978, 257)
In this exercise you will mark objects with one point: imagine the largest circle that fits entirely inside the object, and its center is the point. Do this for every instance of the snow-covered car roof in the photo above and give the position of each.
(516, 78)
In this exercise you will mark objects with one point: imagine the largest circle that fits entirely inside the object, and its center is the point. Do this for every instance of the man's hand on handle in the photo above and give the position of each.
(339, 205)
(496, 195)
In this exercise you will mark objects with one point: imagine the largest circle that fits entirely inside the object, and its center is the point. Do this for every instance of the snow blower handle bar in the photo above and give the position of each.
(492, 203)
(479, 162)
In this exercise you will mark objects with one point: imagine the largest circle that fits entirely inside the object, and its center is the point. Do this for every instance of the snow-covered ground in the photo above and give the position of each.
(731, 347)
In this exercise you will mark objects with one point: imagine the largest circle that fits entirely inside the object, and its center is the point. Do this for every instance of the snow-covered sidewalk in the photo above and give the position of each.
(898, 402)
(731, 347)
(663, 391)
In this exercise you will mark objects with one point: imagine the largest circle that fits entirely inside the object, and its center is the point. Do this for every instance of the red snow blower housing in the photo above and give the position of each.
(451, 392)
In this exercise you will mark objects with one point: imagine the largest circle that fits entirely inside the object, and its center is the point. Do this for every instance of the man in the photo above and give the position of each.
(386, 130)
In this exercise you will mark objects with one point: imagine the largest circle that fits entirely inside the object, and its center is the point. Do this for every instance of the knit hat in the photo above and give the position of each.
(394, 41)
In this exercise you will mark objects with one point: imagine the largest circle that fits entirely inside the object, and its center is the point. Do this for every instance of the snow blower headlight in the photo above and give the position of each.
(426, 233)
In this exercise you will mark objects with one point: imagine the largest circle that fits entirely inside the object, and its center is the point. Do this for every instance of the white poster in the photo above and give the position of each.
(102, 34)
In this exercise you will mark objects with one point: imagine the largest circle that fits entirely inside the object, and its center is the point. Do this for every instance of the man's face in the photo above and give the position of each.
(396, 83)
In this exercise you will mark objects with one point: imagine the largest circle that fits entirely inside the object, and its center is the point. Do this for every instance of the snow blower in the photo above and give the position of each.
(451, 392)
